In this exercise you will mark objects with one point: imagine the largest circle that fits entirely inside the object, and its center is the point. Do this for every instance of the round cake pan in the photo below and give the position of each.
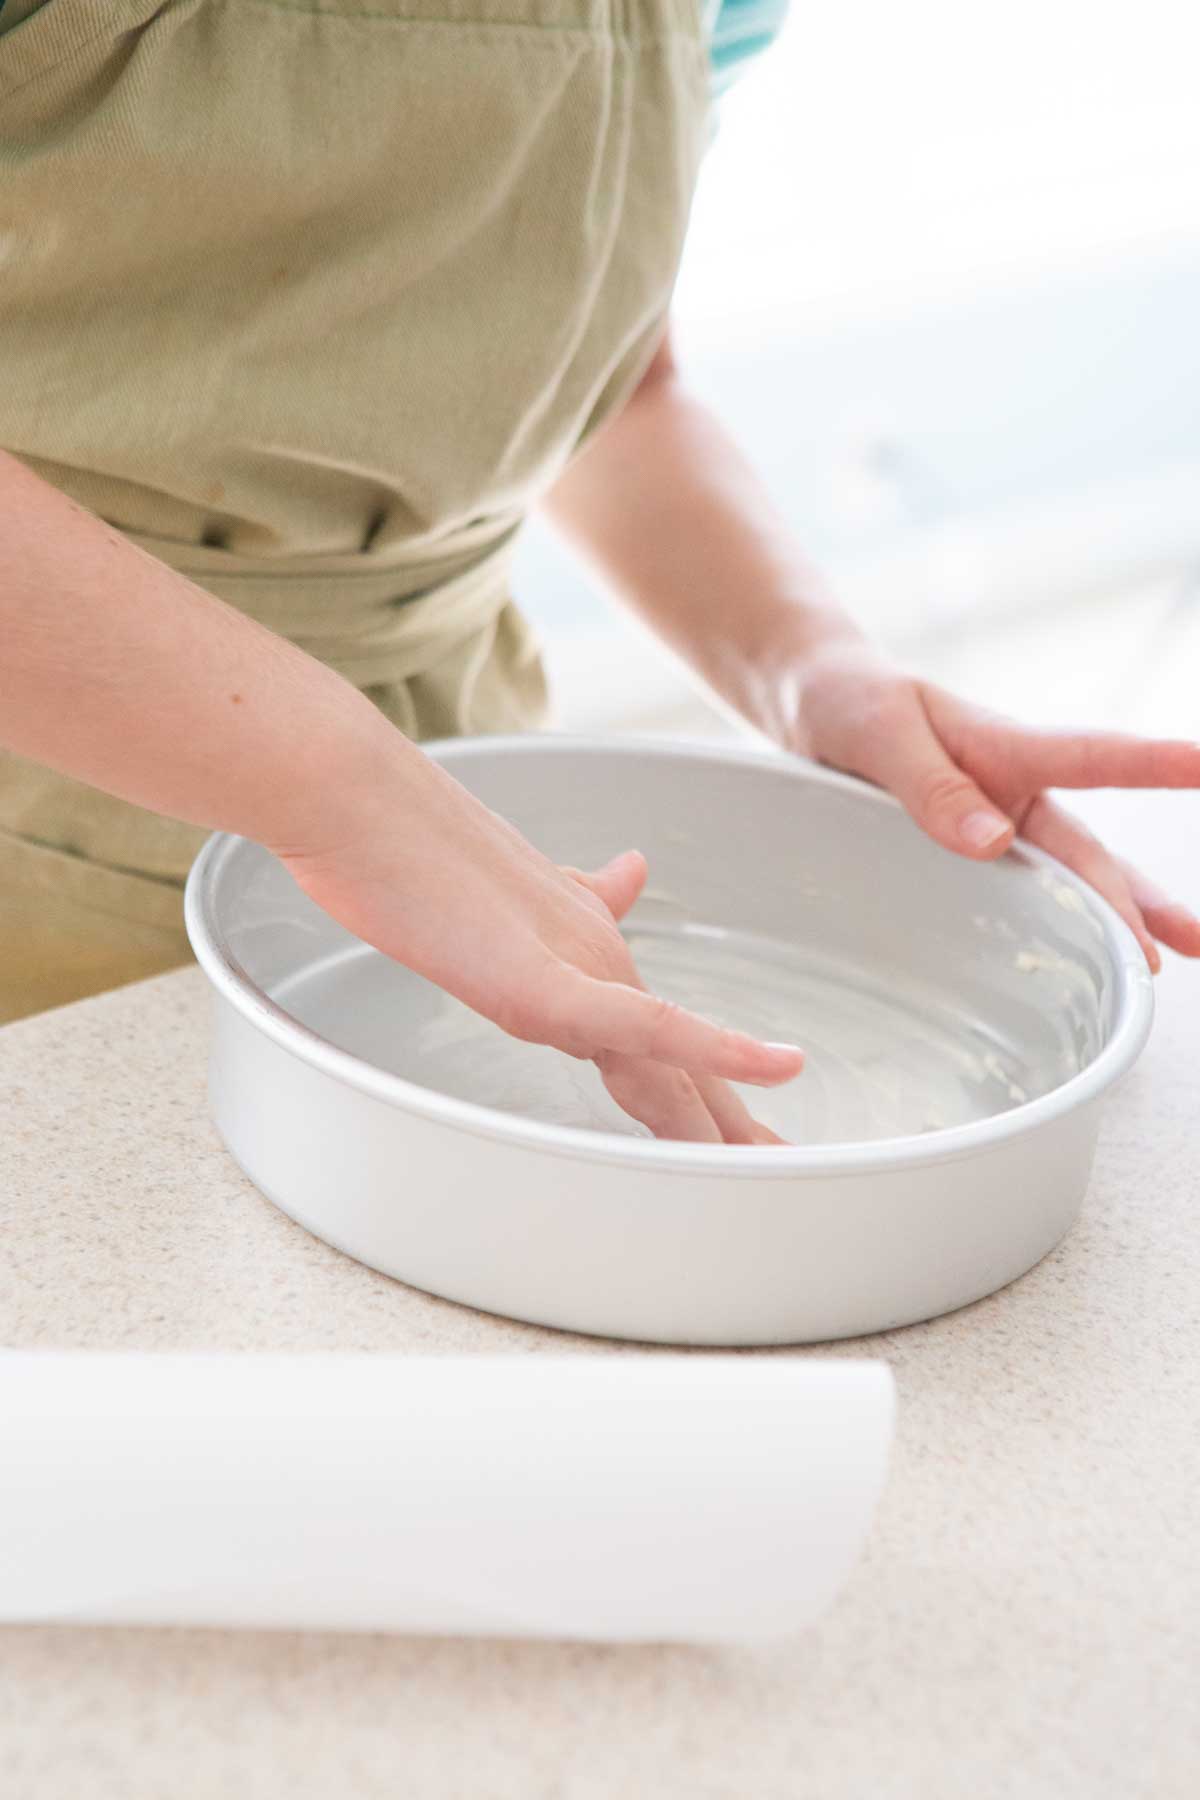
(963, 1023)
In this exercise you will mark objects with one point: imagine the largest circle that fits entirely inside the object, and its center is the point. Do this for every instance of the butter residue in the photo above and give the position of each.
(887, 1055)
(1069, 898)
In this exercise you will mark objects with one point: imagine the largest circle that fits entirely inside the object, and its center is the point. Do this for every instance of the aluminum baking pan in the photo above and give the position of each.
(963, 1024)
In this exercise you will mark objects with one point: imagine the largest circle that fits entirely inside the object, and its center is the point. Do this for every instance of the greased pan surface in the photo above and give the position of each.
(962, 1021)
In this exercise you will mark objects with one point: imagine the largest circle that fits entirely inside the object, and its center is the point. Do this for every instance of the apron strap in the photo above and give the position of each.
(373, 622)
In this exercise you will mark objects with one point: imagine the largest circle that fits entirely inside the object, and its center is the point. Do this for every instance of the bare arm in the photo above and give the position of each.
(126, 675)
(665, 507)
(122, 673)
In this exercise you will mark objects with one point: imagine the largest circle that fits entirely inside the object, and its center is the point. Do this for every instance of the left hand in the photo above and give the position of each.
(974, 779)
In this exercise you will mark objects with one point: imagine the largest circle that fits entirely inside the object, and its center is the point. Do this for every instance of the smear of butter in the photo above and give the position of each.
(890, 1052)
(1070, 899)
(885, 1056)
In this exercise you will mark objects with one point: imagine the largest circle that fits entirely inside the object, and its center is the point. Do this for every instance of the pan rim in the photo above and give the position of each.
(1133, 1011)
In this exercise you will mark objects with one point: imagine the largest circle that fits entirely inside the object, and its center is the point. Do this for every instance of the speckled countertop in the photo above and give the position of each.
(1026, 1621)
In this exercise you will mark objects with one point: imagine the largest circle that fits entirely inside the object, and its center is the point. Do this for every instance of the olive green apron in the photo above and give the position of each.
(312, 299)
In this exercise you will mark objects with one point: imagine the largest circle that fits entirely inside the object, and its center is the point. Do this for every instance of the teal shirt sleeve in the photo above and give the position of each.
(738, 31)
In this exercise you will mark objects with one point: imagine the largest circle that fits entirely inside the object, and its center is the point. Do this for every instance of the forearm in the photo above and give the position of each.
(121, 672)
(117, 670)
(667, 510)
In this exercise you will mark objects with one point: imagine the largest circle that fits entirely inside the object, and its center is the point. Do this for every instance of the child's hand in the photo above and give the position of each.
(974, 779)
(427, 874)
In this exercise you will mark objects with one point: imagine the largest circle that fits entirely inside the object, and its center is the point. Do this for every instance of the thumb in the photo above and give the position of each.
(618, 883)
(913, 765)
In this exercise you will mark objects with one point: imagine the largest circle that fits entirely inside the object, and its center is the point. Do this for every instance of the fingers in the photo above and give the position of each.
(1171, 923)
(696, 1108)
(1064, 837)
(618, 883)
(673, 1102)
(1093, 759)
(663, 1098)
(585, 1016)
(730, 1114)
(1024, 759)
(901, 751)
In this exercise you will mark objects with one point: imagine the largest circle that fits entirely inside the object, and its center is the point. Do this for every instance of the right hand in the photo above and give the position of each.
(433, 878)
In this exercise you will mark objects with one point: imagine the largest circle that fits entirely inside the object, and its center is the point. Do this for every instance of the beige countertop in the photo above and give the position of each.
(1026, 1621)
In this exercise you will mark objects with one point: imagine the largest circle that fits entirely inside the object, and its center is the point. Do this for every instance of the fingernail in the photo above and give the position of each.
(789, 1050)
(979, 829)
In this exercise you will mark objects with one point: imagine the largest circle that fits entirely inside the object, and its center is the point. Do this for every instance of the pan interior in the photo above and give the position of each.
(928, 992)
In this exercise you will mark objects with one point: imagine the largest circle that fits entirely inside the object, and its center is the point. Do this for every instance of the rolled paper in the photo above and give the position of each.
(626, 1497)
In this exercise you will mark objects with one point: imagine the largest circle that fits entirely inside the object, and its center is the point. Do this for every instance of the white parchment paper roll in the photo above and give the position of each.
(615, 1497)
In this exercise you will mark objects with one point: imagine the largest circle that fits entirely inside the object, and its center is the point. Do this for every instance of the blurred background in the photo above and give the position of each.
(943, 282)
